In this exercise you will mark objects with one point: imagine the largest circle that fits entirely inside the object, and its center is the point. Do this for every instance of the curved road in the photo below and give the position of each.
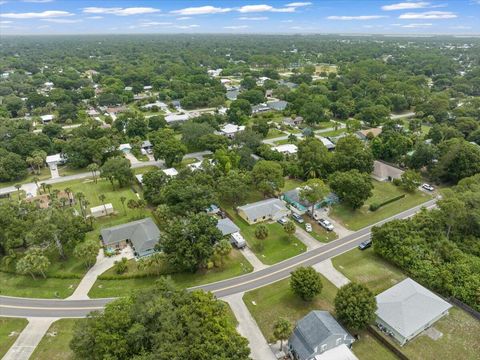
(26, 307)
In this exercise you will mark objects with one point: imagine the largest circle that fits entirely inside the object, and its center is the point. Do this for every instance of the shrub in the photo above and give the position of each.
(121, 266)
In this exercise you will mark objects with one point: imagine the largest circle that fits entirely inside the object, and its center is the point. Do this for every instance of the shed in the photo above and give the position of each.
(101, 210)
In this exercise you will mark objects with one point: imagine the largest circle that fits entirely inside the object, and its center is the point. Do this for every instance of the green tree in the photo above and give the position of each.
(352, 153)
(93, 168)
(289, 229)
(233, 187)
(167, 147)
(153, 182)
(313, 113)
(306, 283)
(222, 249)
(314, 191)
(313, 158)
(122, 200)
(239, 111)
(282, 329)
(267, 177)
(33, 263)
(86, 251)
(355, 305)
(352, 187)
(119, 169)
(261, 232)
(411, 180)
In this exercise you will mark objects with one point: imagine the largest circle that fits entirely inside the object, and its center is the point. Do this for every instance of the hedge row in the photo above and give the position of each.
(376, 206)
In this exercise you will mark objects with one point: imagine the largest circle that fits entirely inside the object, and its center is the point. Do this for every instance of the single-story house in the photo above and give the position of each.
(363, 134)
(385, 172)
(293, 122)
(260, 108)
(101, 210)
(232, 94)
(287, 149)
(315, 334)
(227, 227)
(141, 235)
(214, 72)
(229, 130)
(176, 104)
(115, 110)
(148, 87)
(172, 172)
(408, 308)
(341, 352)
(159, 104)
(46, 118)
(328, 144)
(172, 118)
(147, 146)
(279, 105)
(92, 112)
(288, 84)
(54, 160)
(269, 209)
(126, 148)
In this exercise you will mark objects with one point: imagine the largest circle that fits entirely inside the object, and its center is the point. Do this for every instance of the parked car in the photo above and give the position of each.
(365, 245)
(308, 227)
(282, 221)
(428, 187)
(298, 218)
(327, 225)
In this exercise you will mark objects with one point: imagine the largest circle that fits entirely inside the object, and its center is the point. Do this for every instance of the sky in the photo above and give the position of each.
(237, 16)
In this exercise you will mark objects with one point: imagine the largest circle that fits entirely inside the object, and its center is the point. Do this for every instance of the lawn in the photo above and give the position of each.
(44, 175)
(333, 132)
(318, 232)
(55, 344)
(291, 184)
(10, 328)
(368, 268)
(274, 133)
(271, 302)
(66, 170)
(235, 265)
(357, 219)
(459, 341)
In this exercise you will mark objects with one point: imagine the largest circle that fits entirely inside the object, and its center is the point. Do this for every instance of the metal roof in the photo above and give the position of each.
(263, 208)
(227, 226)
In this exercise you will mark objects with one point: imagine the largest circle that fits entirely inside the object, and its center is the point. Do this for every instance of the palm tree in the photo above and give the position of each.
(123, 199)
(43, 185)
(36, 180)
(102, 198)
(49, 187)
(93, 168)
(18, 187)
(68, 191)
(81, 196)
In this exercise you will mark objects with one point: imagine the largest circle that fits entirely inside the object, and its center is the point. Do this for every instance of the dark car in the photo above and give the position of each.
(365, 245)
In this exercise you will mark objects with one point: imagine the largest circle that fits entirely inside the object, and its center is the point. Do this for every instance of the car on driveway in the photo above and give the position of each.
(282, 221)
(308, 227)
(365, 245)
(298, 218)
(327, 225)
(428, 187)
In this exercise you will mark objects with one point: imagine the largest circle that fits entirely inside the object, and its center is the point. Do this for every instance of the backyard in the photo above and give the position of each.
(55, 344)
(10, 328)
(382, 191)
(234, 265)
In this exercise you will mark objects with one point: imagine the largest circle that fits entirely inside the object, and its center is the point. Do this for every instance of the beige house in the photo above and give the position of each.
(265, 210)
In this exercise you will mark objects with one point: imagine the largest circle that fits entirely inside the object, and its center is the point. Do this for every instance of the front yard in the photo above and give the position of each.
(382, 191)
(55, 344)
(10, 328)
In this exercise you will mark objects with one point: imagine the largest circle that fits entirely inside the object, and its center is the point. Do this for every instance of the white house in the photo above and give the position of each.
(328, 144)
(46, 118)
(101, 210)
(54, 160)
(126, 148)
(171, 118)
(269, 209)
(172, 172)
(287, 149)
(161, 105)
(229, 130)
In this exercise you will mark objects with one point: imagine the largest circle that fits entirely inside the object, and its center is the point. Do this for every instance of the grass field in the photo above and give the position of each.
(357, 219)
(271, 302)
(44, 175)
(333, 132)
(55, 343)
(368, 268)
(274, 133)
(10, 328)
(235, 265)
(291, 184)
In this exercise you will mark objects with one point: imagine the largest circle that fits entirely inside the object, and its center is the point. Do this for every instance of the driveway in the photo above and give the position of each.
(133, 160)
(341, 230)
(252, 259)
(327, 269)
(248, 328)
(309, 241)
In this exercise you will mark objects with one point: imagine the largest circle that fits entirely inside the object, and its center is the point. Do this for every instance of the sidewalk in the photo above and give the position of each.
(252, 259)
(248, 328)
(103, 264)
(28, 340)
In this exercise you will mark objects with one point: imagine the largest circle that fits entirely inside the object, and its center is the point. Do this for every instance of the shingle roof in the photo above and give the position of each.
(143, 234)
(313, 330)
(227, 226)
(408, 307)
(263, 208)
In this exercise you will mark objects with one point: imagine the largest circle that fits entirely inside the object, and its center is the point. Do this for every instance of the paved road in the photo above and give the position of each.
(24, 307)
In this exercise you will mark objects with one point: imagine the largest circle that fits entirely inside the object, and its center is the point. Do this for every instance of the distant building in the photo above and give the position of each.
(171, 172)
(279, 105)
(173, 118)
(407, 309)
(158, 104)
(328, 144)
(316, 334)
(363, 134)
(126, 148)
(229, 130)
(293, 122)
(232, 94)
(46, 118)
(385, 172)
(269, 209)
(286, 149)
(260, 108)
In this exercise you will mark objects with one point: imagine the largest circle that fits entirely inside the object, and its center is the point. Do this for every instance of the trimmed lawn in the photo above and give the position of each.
(368, 268)
(382, 191)
(65, 170)
(10, 328)
(291, 184)
(25, 286)
(318, 232)
(235, 265)
(274, 133)
(459, 341)
(333, 132)
(367, 347)
(282, 142)
(55, 344)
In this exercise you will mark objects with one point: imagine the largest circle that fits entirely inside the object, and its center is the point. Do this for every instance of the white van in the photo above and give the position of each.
(237, 240)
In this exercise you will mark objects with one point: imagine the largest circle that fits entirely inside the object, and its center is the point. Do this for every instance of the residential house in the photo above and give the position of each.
(232, 94)
(227, 227)
(317, 333)
(278, 105)
(214, 72)
(260, 108)
(269, 209)
(158, 104)
(364, 134)
(101, 210)
(147, 87)
(176, 104)
(46, 119)
(407, 308)
(293, 122)
(175, 118)
(141, 235)
(171, 172)
(229, 130)
(385, 172)
(286, 149)
(54, 160)
(328, 144)
(126, 148)
(147, 146)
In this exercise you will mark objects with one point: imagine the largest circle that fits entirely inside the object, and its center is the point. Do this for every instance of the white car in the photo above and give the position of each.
(282, 221)
(327, 225)
(308, 227)
(428, 187)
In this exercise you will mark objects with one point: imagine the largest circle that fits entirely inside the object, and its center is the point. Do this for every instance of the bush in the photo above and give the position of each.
(376, 206)
(121, 266)
(397, 182)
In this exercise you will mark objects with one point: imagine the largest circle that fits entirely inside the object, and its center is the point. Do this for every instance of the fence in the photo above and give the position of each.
(465, 307)
(371, 329)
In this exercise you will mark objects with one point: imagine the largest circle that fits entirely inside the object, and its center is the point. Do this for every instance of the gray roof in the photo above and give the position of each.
(277, 105)
(382, 171)
(263, 208)
(314, 330)
(143, 234)
(227, 226)
(408, 307)
(232, 94)
(146, 144)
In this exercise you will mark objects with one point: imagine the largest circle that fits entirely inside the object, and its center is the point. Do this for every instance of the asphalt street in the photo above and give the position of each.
(26, 307)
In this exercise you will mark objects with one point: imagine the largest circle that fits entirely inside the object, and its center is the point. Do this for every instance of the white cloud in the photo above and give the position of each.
(253, 18)
(187, 26)
(416, 26)
(37, 15)
(201, 10)
(63, 21)
(3, 2)
(406, 5)
(154, 23)
(184, 18)
(287, 21)
(359, 17)
(236, 27)
(94, 17)
(120, 11)
(5, 22)
(432, 15)
(298, 4)
(264, 8)
(461, 27)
